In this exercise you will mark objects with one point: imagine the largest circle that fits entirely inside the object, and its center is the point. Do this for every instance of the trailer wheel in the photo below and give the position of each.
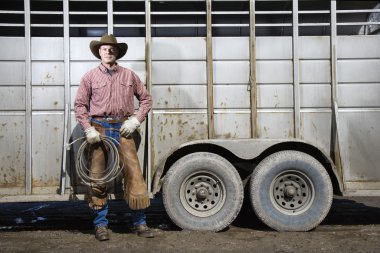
(202, 191)
(291, 191)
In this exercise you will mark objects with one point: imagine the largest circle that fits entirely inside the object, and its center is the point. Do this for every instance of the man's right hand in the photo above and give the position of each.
(92, 135)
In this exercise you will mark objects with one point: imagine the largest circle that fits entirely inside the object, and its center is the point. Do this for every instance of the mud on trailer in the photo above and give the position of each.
(278, 98)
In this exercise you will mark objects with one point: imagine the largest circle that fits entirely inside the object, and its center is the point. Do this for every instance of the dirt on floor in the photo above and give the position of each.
(353, 225)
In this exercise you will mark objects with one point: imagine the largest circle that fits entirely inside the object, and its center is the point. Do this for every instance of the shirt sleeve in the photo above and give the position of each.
(145, 99)
(82, 103)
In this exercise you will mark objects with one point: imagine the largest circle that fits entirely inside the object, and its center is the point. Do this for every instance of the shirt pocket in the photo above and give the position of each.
(98, 85)
(99, 91)
(127, 91)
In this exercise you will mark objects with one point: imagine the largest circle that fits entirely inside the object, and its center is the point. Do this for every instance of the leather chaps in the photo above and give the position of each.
(135, 189)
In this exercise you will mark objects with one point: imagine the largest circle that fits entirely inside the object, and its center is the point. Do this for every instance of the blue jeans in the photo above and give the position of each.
(111, 130)
(138, 217)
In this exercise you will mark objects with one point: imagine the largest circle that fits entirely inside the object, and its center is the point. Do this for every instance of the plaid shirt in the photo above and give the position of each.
(102, 94)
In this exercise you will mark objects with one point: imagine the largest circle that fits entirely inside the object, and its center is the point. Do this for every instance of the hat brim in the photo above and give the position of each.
(95, 45)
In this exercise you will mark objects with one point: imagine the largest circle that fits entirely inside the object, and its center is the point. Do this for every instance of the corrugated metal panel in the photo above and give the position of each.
(277, 124)
(73, 93)
(315, 95)
(231, 96)
(177, 72)
(137, 66)
(172, 129)
(12, 48)
(316, 128)
(12, 155)
(238, 125)
(231, 72)
(229, 48)
(12, 73)
(48, 73)
(179, 96)
(275, 96)
(12, 98)
(48, 98)
(274, 48)
(359, 95)
(360, 136)
(274, 72)
(178, 48)
(47, 49)
(357, 71)
(311, 47)
(47, 143)
(315, 71)
(358, 47)
(80, 49)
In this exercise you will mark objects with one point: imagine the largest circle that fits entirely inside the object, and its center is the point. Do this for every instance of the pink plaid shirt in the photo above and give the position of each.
(101, 94)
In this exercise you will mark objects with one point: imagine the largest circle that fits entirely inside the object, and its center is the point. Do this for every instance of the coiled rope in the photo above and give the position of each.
(112, 170)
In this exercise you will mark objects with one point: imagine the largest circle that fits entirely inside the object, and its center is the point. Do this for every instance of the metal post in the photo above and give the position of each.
(148, 64)
(252, 74)
(210, 78)
(67, 113)
(335, 144)
(334, 59)
(28, 101)
(296, 84)
(110, 16)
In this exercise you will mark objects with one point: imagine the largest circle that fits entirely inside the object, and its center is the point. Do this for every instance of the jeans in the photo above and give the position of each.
(112, 130)
(138, 217)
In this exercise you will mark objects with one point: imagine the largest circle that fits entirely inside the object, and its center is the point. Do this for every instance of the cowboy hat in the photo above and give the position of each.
(108, 40)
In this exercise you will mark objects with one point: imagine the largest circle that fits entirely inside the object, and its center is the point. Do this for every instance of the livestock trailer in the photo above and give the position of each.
(276, 98)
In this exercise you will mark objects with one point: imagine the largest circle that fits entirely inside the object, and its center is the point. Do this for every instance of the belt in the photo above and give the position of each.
(110, 119)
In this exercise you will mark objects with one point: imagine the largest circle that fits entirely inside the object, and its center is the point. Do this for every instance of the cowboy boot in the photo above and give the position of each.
(143, 231)
(101, 233)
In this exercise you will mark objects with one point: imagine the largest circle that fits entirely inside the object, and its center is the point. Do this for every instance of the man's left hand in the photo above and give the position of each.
(129, 126)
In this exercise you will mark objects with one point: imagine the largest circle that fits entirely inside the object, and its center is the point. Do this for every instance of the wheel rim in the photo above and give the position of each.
(292, 192)
(202, 193)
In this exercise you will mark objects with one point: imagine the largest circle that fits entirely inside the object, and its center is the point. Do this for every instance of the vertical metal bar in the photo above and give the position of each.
(335, 143)
(210, 77)
(65, 148)
(252, 74)
(334, 58)
(110, 16)
(296, 84)
(28, 100)
(67, 113)
(148, 65)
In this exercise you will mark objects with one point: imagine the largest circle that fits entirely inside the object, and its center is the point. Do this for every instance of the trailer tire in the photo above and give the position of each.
(291, 191)
(203, 192)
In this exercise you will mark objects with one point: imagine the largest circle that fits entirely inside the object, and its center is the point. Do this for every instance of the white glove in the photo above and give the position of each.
(92, 135)
(129, 126)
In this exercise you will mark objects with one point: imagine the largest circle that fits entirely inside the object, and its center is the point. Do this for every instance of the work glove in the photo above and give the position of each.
(129, 126)
(92, 135)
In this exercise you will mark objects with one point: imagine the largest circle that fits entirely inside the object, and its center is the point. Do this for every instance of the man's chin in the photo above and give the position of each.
(109, 61)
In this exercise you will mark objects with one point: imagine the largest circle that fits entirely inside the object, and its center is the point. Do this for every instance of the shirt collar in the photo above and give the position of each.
(102, 68)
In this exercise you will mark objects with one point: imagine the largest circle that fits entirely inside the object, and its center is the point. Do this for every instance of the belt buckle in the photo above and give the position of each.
(116, 119)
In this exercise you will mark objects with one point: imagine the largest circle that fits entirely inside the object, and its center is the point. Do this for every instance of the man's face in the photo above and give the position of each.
(108, 54)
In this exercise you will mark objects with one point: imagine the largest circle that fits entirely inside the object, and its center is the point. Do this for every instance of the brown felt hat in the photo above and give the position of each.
(108, 40)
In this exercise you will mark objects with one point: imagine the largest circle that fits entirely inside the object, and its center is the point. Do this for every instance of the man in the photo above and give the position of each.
(104, 105)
